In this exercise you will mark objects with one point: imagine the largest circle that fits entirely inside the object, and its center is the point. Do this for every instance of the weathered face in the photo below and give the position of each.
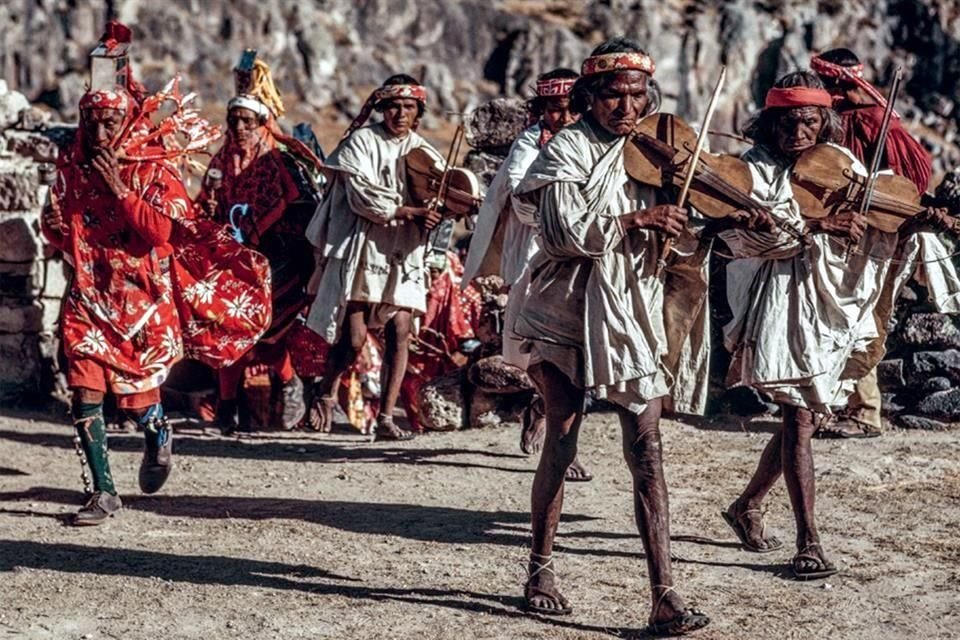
(557, 113)
(798, 129)
(243, 124)
(100, 127)
(399, 116)
(621, 102)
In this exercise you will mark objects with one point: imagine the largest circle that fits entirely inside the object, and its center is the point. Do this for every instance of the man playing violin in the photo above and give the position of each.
(801, 311)
(593, 316)
(371, 247)
(505, 216)
(861, 108)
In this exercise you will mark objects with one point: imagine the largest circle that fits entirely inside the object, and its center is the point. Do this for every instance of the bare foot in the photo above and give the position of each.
(534, 427)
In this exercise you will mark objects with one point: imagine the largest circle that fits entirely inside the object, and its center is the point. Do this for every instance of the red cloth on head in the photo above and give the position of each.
(903, 154)
(797, 97)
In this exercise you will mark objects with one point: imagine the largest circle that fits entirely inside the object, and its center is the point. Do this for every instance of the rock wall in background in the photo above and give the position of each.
(329, 53)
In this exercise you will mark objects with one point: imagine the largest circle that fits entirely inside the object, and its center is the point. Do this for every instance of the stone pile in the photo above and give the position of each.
(31, 281)
(920, 375)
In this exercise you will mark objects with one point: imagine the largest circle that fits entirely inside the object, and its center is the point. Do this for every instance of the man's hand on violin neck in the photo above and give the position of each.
(848, 224)
(665, 218)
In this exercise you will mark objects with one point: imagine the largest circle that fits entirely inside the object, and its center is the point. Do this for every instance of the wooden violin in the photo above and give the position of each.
(428, 176)
(659, 152)
(824, 183)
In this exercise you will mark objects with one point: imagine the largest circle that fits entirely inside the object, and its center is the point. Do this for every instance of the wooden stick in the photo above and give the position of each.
(694, 160)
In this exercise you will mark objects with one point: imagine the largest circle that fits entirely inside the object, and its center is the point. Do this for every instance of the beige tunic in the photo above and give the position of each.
(799, 312)
(594, 307)
(364, 253)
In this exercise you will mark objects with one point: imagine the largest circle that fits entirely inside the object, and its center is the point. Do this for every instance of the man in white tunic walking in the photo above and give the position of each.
(372, 245)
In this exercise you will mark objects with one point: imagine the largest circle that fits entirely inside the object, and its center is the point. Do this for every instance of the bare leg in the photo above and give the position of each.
(745, 515)
(797, 454)
(353, 335)
(643, 452)
(563, 407)
(396, 354)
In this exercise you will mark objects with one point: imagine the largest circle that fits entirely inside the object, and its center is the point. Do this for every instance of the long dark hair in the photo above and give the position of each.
(591, 85)
(762, 128)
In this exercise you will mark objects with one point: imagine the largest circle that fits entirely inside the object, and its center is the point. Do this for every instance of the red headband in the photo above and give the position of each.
(104, 99)
(554, 88)
(797, 97)
(386, 92)
(852, 74)
(618, 62)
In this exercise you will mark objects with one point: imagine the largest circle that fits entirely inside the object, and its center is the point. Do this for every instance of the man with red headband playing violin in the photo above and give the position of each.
(593, 317)
(506, 218)
(861, 108)
(801, 311)
(371, 248)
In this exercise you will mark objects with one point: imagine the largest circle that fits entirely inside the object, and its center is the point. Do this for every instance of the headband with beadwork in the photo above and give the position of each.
(386, 92)
(624, 61)
(852, 73)
(555, 87)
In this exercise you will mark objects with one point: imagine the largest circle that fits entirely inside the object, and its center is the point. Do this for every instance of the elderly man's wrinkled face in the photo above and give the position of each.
(400, 115)
(243, 124)
(798, 129)
(557, 113)
(100, 127)
(621, 102)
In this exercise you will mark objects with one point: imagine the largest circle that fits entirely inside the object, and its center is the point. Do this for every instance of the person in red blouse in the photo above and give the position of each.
(121, 330)
(260, 185)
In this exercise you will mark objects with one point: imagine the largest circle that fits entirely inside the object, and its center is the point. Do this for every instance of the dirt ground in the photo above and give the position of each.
(298, 536)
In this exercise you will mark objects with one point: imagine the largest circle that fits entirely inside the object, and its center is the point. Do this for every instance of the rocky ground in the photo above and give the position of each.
(292, 536)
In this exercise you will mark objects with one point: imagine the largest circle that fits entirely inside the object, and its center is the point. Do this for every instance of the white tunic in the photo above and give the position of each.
(799, 312)
(365, 253)
(594, 307)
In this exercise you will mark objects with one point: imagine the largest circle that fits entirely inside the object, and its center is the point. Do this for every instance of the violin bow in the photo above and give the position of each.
(879, 149)
(694, 161)
(443, 188)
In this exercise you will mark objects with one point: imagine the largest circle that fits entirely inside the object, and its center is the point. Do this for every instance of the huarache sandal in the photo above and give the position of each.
(576, 472)
(548, 602)
(686, 621)
(773, 543)
(809, 564)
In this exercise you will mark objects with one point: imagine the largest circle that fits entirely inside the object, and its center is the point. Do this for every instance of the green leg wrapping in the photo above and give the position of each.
(90, 426)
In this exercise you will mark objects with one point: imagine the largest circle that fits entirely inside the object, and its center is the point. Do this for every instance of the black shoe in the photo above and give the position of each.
(98, 508)
(292, 403)
(157, 460)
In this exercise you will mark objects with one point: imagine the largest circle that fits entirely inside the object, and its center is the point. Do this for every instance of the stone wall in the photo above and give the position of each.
(31, 280)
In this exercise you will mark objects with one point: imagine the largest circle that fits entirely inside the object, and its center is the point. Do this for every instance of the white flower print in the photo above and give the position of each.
(240, 307)
(93, 342)
(201, 290)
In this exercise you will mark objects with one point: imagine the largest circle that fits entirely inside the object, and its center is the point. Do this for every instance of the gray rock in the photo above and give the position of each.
(483, 164)
(937, 383)
(18, 187)
(922, 423)
(18, 242)
(892, 403)
(890, 374)
(32, 145)
(496, 124)
(20, 318)
(927, 364)
(930, 330)
(941, 404)
(494, 376)
(19, 365)
(442, 403)
(12, 104)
